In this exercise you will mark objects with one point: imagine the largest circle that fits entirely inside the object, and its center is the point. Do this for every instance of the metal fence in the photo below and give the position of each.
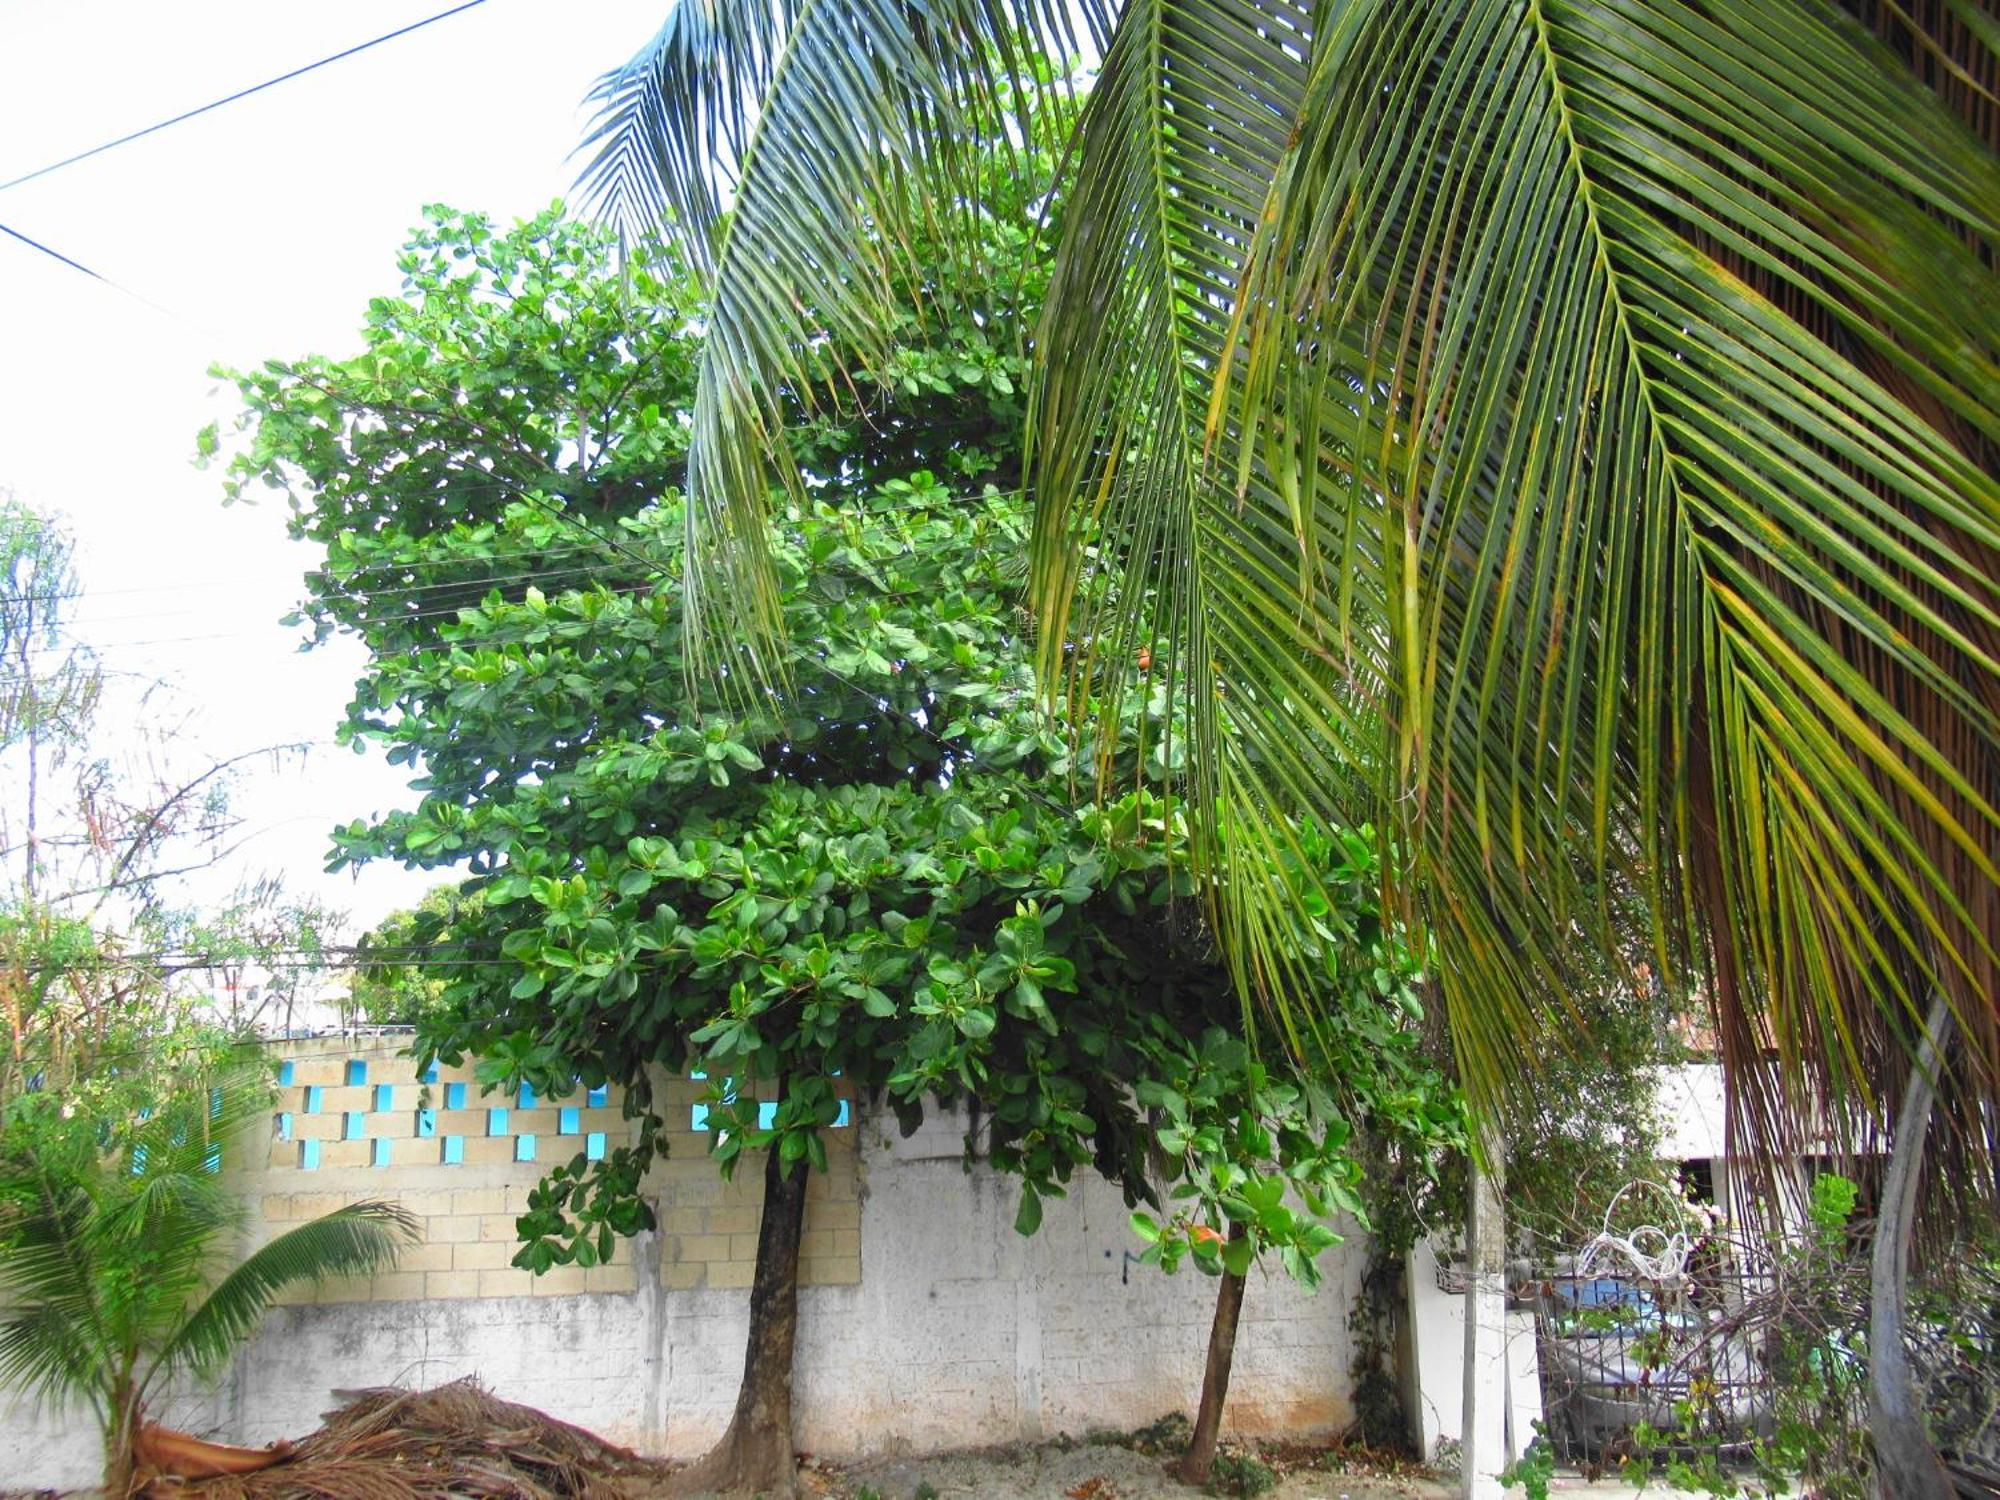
(1617, 1352)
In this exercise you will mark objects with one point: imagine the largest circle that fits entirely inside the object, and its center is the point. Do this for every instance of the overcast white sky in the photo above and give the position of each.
(258, 231)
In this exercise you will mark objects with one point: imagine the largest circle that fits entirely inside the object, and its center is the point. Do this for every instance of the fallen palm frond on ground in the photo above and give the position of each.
(456, 1442)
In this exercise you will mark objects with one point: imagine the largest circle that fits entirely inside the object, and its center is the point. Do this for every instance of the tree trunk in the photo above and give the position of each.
(1194, 1468)
(755, 1455)
(1906, 1465)
(121, 1432)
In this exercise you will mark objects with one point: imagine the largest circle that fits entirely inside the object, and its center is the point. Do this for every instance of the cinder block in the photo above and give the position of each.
(730, 1274)
(396, 1125)
(488, 1255)
(734, 1219)
(312, 1205)
(505, 1284)
(343, 1289)
(619, 1276)
(743, 1247)
(709, 1247)
(846, 1241)
(843, 1215)
(396, 1286)
(325, 1070)
(425, 1258)
(342, 1100)
(497, 1227)
(489, 1200)
(560, 1281)
(461, 1122)
(812, 1244)
(275, 1208)
(336, 1154)
(316, 1127)
(456, 1229)
(684, 1278)
(451, 1284)
(488, 1151)
(690, 1220)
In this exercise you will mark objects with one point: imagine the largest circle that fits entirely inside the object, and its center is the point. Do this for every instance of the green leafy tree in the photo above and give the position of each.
(114, 1240)
(1564, 412)
(875, 886)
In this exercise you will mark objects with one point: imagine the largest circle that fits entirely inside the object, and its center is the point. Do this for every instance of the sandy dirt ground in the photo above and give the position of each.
(1093, 1472)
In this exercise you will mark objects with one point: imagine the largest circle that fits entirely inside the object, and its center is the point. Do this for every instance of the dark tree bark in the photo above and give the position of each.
(1200, 1459)
(755, 1455)
(1906, 1465)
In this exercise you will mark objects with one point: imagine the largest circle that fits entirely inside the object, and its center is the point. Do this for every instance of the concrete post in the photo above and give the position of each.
(1483, 1426)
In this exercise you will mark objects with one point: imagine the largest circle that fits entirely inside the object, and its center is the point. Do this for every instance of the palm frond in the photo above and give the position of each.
(53, 1342)
(1689, 311)
(355, 1240)
(1160, 534)
(841, 125)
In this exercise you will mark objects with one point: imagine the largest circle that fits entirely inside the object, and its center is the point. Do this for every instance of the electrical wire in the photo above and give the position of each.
(243, 93)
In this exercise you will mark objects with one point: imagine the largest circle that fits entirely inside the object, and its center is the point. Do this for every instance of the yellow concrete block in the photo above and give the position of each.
(688, 1219)
(497, 1227)
(488, 1255)
(611, 1121)
(619, 1276)
(730, 1274)
(506, 1284)
(396, 1125)
(734, 1219)
(462, 1122)
(708, 1247)
(452, 1230)
(316, 1128)
(847, 1242)
(489, 1200)
(340, 1100)
(396, 1286)
(536, 1121)
(488, 1151)
(451, 1284)
(425, 1258)
(325, 1071)
(685, 1278)
(276, 1207)
(812, 1244)
(312, 1205)
(845, 1215)
(560, 1281)
(743, 1247)
(345, 1289)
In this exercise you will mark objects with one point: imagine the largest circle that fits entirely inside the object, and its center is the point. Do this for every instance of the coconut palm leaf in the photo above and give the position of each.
(354, 1240)
(52, 1339)
(1697, 579)
(831, 127)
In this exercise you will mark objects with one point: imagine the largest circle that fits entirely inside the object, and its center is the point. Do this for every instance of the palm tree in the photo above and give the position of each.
(111, 1263)
(1584, 415)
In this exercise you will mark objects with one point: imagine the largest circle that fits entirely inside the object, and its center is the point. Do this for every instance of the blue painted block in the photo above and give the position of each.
(427, 1123)
(354, 1126)
(698, 1117)
(308, 1155)
(767, 1114)
(569, 1122)
(524, 1148)
(284, 1075)
(430, 1072)
(593, 1146)
(598, 1097)
(841, 1118)
(525, 1096)
(315, 1097)
(284, 1127)
(379, 1157)
(454, 1096)
(496, 1122)
(385, 1097)
(357, 1072)
(454, 1150)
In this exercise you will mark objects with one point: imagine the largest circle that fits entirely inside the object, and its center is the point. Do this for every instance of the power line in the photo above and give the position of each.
(244, 93)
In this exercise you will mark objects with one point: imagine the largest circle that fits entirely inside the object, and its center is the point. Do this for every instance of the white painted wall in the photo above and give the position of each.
(960, 1334)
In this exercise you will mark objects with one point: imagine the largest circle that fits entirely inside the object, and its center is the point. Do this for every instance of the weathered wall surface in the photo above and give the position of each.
(925, 1321)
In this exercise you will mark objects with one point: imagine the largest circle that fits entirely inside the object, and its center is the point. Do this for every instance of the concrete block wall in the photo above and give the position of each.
(354, 1120)
(925, 1322)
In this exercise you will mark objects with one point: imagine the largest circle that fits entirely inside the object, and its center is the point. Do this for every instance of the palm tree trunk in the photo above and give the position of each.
(121, 1433)
(755, 1455)
(1200, 1458)
(1906, 1465)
